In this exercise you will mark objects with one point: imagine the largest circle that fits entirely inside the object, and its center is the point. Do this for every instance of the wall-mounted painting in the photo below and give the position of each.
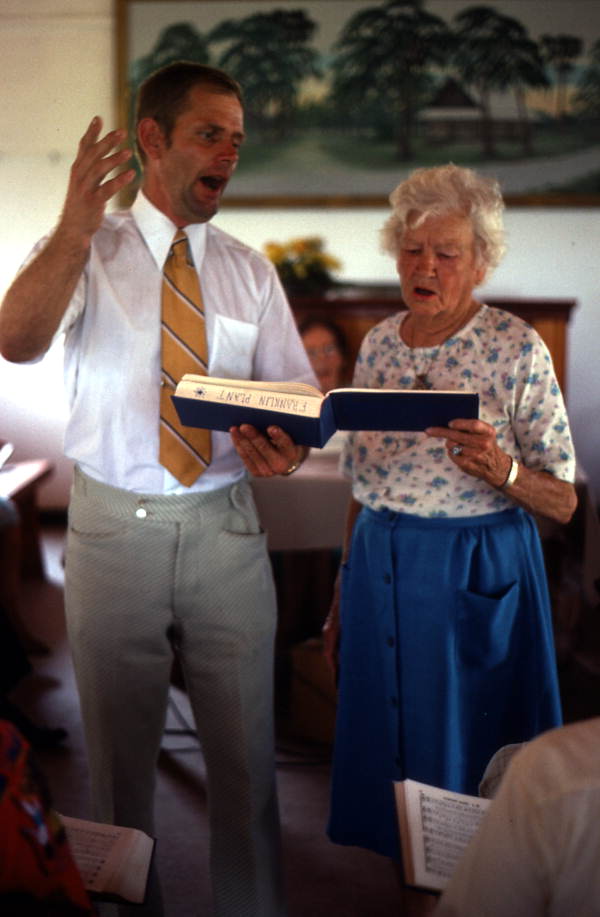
(343, 98)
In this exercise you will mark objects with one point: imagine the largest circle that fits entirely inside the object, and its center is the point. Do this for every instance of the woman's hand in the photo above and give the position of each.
(472, 445)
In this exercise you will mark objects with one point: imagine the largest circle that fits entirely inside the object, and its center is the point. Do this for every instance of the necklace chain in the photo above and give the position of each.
(422, 382)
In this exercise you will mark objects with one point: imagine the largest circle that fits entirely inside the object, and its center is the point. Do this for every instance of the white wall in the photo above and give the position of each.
(57, 70)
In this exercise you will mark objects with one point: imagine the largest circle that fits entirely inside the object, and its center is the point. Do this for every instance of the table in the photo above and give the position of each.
(19, 482)
(572, 554)
(304, 516)
(307, 510)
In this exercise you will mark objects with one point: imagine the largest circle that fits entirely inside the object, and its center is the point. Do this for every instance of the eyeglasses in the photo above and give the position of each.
(327, 350)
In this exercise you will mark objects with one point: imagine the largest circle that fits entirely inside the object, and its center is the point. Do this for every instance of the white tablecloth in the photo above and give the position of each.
(305, 511)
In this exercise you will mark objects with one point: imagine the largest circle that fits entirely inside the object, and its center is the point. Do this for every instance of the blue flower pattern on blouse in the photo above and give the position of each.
(497, 355)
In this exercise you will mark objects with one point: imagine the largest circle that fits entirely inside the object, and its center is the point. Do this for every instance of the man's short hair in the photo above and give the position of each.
(163, 95)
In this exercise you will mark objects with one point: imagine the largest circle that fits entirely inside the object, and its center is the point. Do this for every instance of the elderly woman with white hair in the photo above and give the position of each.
(444, 624)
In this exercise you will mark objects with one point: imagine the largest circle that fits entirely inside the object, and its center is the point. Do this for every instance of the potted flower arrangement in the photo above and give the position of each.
(303, 265)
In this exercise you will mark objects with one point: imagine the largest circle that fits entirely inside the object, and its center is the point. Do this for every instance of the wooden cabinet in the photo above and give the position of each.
(357, 308)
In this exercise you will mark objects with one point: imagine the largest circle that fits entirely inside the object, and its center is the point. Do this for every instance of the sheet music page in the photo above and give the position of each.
(441, 824)
(95, 848)
(448, 825)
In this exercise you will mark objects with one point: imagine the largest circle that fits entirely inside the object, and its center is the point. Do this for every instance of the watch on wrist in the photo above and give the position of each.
(512, 474)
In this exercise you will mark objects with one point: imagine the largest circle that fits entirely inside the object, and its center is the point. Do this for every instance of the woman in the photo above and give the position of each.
(446, 648)
(327, 349)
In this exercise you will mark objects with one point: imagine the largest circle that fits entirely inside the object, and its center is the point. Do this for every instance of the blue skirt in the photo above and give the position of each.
(446, 654)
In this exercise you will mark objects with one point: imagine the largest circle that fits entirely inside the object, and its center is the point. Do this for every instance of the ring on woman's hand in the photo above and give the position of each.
(456, 450)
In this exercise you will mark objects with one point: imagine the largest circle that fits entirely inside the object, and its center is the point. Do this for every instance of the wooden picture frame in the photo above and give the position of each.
(542, 143)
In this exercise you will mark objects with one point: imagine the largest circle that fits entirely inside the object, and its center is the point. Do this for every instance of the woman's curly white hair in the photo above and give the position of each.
(443, 190)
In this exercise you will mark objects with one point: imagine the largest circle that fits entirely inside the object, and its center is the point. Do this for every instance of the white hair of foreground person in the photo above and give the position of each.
(445, 190)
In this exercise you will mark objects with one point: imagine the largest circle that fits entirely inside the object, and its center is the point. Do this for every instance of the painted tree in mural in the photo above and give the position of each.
(180, 41)
(268, 54)
(381, 66)
(560, 51)
(587, 96)
(495, 53)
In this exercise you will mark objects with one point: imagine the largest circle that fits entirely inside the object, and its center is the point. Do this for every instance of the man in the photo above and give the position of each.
(153, 563)
(535, 853)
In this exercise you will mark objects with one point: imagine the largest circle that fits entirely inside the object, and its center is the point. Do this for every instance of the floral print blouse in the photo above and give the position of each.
(497, 355)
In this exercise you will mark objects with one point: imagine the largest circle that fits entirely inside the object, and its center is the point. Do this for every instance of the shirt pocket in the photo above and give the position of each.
(233, 347)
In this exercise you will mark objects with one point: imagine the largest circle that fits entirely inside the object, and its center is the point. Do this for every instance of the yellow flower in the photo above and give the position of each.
(302, 259)
(298, 246)
(274, 251)
(314, 243)
(332, 262)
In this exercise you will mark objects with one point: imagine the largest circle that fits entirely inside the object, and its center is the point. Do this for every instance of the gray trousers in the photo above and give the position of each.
(145, 573)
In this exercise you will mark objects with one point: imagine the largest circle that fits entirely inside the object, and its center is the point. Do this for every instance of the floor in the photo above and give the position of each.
(323, 880)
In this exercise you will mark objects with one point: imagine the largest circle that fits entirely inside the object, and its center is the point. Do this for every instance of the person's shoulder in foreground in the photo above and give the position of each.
(536, 851)
(38, 875)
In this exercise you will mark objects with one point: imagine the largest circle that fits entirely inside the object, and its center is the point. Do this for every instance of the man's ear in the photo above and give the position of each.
(150, 138)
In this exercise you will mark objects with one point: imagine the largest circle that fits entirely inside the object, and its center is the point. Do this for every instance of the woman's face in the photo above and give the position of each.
(438, 268)
(325, 357)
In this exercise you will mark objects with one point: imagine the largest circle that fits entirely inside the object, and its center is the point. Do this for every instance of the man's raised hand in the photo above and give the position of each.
(89, 187)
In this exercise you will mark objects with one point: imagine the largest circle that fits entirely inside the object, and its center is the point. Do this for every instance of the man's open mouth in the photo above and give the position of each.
(423, 291)
(213, 182)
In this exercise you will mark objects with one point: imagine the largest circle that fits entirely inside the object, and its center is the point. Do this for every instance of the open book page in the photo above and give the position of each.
(285, 388)
(435, 827)
(287, 397)
(112, 860)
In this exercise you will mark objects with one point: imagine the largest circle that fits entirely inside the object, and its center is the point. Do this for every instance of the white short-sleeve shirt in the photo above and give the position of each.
(112, 344)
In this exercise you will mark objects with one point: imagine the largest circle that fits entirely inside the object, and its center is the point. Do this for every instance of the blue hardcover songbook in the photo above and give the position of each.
(307, 415)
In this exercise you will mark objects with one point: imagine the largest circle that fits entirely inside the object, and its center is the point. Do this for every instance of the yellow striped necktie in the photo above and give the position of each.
(184, 451)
